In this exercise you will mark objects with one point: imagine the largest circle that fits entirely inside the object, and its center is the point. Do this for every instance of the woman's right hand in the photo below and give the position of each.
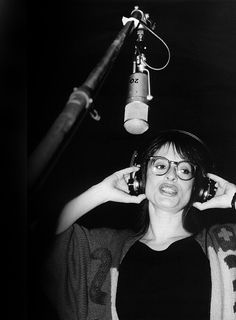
(115, 187)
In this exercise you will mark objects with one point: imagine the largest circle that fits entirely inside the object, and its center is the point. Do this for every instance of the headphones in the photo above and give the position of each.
(205, 190)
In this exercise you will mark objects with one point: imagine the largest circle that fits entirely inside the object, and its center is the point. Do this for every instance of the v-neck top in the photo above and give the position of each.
(174, 283)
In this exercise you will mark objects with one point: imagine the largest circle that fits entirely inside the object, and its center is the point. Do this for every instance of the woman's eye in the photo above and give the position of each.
(185, 171)
(160, 166)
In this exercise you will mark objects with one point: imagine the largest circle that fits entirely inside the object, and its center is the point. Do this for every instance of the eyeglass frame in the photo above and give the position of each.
(176, 163)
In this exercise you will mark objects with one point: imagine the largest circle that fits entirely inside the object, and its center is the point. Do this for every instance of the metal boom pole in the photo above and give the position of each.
(80, 99)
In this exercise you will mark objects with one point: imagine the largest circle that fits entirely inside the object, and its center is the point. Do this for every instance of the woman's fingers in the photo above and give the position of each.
(126, 171)
(117, 188)
(216, 178)
(223, 196)
(215, 202)
(133, 199)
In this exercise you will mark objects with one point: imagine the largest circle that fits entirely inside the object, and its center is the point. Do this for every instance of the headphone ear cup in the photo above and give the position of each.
(140, 182)
(135, 183)
(201, 190)
(206, 190)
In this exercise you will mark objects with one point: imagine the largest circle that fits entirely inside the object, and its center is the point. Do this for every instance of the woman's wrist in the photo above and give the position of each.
(100, 193)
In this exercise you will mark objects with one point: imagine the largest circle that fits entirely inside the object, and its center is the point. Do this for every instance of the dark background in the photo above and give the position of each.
(65, 40)
(195, 92)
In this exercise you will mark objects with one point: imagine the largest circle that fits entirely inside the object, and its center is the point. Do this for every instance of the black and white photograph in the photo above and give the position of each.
(129, 155)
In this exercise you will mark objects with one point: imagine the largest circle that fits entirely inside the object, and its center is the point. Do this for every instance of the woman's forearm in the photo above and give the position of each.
(79, 206)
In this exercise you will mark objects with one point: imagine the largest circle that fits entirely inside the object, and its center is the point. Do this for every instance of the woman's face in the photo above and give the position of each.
(168, 192)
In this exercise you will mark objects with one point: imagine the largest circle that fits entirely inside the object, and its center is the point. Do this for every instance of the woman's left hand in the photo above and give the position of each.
(223, 197)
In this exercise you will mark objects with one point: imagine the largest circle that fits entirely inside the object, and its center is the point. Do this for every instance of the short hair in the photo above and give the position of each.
(189, 147)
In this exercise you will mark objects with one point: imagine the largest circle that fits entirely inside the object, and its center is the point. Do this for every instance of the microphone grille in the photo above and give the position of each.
(136, 117)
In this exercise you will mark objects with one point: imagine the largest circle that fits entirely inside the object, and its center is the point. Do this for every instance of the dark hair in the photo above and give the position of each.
(189, 147)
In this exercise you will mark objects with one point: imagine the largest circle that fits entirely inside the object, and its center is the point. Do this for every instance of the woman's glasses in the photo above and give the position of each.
(185, 170)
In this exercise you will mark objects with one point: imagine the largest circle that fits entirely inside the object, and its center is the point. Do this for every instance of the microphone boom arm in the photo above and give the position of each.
(43, 157)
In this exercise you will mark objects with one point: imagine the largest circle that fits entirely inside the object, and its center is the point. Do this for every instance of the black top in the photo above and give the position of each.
(171, 284)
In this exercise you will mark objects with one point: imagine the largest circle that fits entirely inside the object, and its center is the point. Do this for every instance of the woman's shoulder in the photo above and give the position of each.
(99, 236)
(86, 239)
(106, 233)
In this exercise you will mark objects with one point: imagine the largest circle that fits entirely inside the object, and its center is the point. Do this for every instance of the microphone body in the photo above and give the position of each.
(136, 109)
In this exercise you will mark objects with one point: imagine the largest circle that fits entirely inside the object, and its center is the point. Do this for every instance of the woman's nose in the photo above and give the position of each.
(171, 173)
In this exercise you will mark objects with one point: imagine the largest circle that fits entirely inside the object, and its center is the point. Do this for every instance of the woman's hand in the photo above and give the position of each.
(115, 188)
(223, 197)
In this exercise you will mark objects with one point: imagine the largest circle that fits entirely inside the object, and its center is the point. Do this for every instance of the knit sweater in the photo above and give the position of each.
(83, 267)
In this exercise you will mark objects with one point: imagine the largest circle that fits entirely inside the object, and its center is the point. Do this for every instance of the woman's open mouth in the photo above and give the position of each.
(168, 189)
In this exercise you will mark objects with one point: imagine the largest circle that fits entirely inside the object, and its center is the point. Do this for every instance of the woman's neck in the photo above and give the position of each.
(165, 225)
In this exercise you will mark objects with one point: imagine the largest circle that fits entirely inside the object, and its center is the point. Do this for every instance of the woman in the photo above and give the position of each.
(164, 269)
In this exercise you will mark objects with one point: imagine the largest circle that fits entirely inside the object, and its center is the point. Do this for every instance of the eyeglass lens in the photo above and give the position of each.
(160, 166)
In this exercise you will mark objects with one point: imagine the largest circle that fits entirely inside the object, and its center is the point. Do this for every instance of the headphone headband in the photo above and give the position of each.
(185, 132)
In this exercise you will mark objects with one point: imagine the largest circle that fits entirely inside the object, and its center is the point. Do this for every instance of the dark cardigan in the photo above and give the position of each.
(81, 272)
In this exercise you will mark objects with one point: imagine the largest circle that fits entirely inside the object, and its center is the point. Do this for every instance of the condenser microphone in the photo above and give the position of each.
(136, 109)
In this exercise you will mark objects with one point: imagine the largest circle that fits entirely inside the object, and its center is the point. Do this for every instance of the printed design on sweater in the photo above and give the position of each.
(225, 237)
(231, 263)
(95, 292)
